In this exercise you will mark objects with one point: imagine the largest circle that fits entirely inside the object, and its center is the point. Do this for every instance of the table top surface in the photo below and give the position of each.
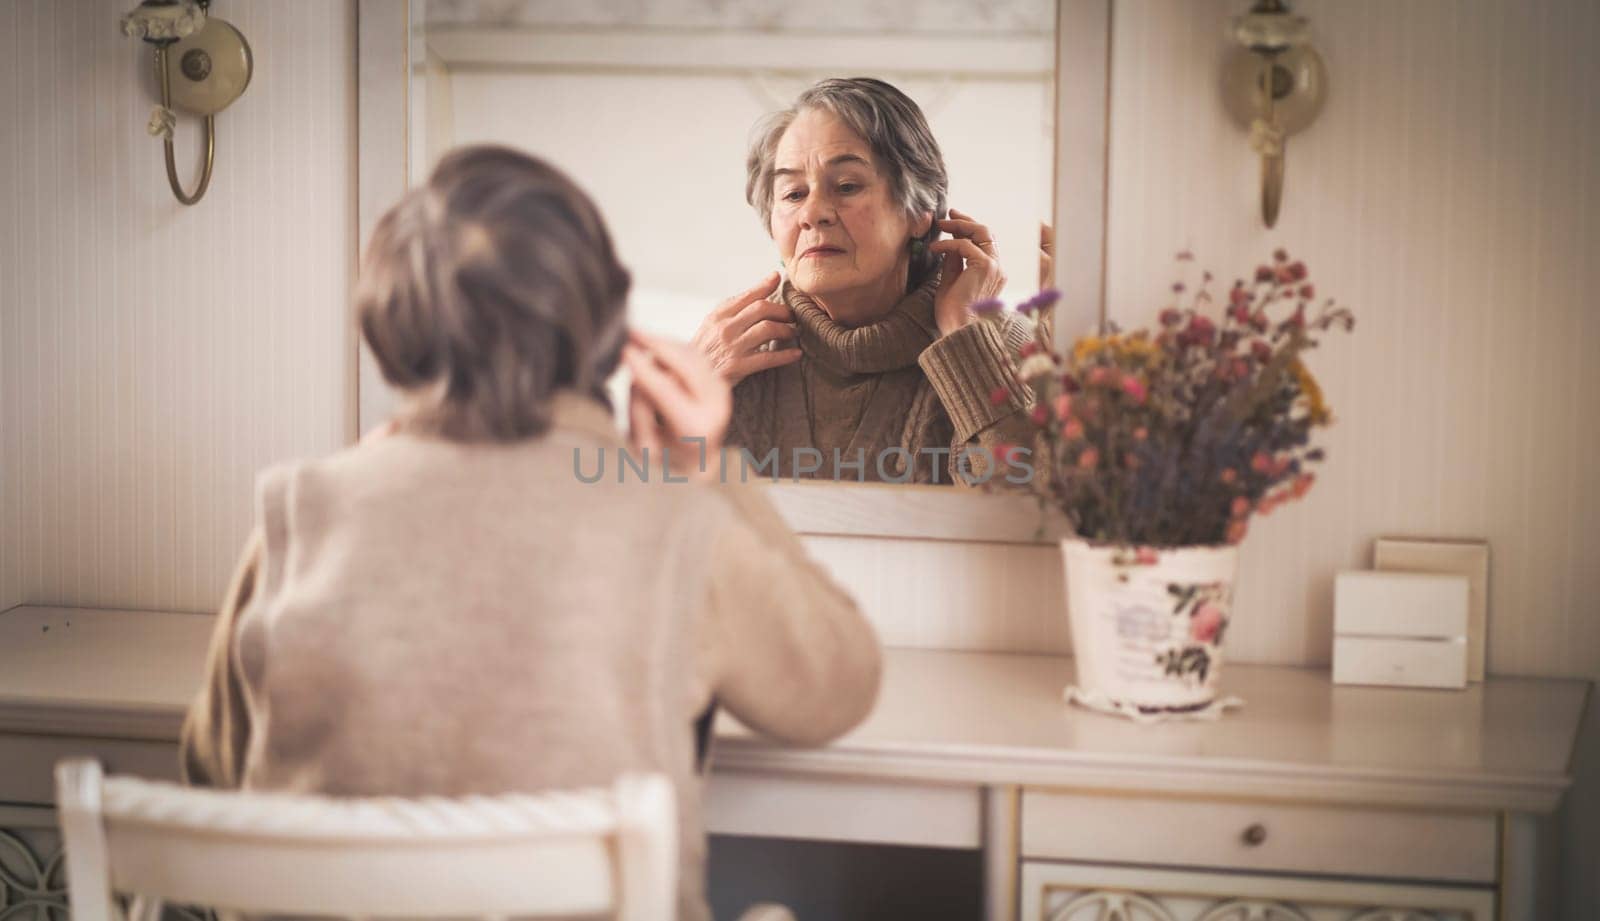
(950, 717)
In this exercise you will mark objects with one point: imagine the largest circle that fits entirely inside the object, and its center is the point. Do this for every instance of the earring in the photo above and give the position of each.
(917, 246)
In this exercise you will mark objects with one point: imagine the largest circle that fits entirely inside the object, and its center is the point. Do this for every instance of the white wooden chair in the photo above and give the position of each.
(571, 853)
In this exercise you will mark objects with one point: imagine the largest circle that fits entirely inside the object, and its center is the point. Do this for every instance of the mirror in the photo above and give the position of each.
(651, 106)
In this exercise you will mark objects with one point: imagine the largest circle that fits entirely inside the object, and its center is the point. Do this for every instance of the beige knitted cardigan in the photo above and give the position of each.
(889, 401)
(417, 616)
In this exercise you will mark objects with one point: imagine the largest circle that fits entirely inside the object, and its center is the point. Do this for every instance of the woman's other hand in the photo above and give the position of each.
(676, 395)
(971, 271)
(732, 335)
(1047, 256)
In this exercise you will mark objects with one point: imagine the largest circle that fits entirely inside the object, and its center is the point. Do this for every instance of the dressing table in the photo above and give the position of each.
(1322, 800)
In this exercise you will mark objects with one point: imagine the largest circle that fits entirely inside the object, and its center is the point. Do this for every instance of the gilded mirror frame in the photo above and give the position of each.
(906, 511)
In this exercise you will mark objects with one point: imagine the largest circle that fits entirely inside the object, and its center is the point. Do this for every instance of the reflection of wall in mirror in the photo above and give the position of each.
(653, 117)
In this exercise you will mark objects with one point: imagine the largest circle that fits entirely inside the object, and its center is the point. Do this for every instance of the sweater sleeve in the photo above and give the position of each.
(791, 655)
(216, 730)
(968, 369)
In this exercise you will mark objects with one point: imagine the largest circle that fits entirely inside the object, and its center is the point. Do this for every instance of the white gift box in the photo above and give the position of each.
(1400, 628)
(1468, 558)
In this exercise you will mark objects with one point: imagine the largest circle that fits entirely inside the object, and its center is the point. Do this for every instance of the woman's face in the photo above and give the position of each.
(842, 237)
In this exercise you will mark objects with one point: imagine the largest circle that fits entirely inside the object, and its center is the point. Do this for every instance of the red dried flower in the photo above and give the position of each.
(1261, 351)
(1228, 476)
(1297, 271)
(1072, 430)
(1040, 414)
(1308, 291)
(1063, 407)
(1171, 317)
(1280, 255)
(1089, 459)
(1264, 273)
(999, 395)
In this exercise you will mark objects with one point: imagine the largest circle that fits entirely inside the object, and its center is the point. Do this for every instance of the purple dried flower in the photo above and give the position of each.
(988, 306)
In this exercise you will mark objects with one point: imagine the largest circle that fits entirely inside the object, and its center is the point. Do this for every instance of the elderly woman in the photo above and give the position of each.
(866, 363)
(437, 610)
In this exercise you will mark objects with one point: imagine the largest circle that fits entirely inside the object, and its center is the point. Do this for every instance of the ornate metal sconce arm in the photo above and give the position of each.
(1274, 85)
(202, 64)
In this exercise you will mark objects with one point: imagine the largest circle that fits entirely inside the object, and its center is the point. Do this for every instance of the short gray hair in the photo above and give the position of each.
(488, 289)
(891, 124)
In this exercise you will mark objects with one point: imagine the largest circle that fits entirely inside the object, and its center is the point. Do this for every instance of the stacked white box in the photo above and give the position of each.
(1399, 628)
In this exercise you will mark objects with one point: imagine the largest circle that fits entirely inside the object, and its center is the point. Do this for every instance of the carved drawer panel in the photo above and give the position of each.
(1383, 843)
(32, 884)
(1082, 892)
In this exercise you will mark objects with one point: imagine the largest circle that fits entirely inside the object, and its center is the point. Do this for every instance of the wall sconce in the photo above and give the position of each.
(1274, 84)
(202, 64)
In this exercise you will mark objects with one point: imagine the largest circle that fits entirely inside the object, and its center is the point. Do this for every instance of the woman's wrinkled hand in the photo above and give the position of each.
(733, 334)
(971, 271)
(677, 399)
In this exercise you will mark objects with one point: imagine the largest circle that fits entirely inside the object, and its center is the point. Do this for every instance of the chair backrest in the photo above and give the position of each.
(562, 853)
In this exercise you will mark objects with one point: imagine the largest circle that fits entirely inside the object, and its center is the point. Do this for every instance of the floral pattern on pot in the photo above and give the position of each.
(1147, 626)
(1204, 607)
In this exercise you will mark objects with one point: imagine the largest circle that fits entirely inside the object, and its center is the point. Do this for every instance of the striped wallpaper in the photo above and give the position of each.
(1448, 193)
(152, 356)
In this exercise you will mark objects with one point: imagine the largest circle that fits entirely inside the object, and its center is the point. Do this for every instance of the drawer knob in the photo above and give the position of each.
(1255, 834)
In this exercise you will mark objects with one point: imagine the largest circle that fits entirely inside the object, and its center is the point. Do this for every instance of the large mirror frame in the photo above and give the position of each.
(1083, 51)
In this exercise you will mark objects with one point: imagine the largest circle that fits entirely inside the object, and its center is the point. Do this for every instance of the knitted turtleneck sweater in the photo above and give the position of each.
(889, 401)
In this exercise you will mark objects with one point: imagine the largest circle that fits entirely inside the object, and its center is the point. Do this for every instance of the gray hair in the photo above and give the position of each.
(488, 289)
(892, 125)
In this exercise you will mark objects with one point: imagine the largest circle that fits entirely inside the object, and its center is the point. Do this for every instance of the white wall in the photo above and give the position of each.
(152, 356)
(1448, 195)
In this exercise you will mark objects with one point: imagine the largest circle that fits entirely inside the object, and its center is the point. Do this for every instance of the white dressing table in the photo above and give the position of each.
(1326, 801)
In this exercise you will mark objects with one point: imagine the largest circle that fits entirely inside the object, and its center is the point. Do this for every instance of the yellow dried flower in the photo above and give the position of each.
(1311, 391)
(1086, 348)
(1124, 350)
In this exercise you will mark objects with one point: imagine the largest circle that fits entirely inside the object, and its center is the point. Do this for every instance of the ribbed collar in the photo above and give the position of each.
(888, 344)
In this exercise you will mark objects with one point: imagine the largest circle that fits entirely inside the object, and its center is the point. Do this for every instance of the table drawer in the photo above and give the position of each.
(27, 762)
(1345, 841)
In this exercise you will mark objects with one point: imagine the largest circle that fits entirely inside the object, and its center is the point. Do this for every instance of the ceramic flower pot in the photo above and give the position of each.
(1147, 627)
